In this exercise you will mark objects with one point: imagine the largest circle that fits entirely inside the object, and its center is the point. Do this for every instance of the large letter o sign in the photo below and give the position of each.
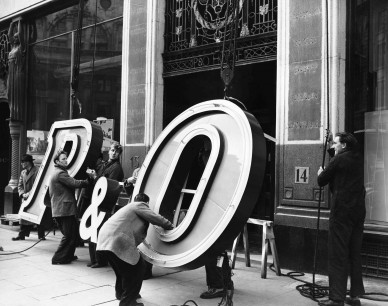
(204, 173)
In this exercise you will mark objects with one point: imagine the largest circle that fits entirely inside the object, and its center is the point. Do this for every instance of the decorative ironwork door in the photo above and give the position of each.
(195, 29)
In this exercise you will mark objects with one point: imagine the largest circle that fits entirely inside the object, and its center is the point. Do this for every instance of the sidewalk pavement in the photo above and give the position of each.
(29, 278)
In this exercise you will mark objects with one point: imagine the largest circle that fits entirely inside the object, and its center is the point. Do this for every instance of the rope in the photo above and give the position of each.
(94, 55)
(313, 289)
(228, 58)
(77, 59)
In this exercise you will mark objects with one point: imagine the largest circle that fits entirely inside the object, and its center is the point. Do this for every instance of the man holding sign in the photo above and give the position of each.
(118, 240)
(64, 208)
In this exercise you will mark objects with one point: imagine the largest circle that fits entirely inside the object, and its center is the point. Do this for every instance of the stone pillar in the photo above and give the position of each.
(11, 197)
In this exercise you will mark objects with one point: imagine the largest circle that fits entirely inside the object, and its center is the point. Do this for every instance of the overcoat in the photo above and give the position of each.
(26, 181)
(126, 229)
(345, 176)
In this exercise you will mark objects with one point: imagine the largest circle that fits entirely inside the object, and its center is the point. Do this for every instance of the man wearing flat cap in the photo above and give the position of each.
(26, 181)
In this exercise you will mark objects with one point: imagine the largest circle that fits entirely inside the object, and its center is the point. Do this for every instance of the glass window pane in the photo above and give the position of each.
(49, 78)
(66, 20)
(368, 99)
(100, 74)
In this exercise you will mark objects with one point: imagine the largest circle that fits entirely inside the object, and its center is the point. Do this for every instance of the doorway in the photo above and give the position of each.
(255, 86)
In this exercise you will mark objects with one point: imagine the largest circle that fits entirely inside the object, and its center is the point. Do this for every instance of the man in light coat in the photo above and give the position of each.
(64, 208)
(118, 240)
(26, 181)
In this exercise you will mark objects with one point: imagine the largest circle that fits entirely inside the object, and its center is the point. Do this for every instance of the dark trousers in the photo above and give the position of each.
(214, 276)
(68, 227)
(96, 257)
(46, 222)
(345, 241)
(129, 278)
(25, 230)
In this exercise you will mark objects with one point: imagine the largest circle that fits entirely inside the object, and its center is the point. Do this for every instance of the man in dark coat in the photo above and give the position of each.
(344, 174)
(118, 240)
(26, 181)
(111, 169)
(64, 208)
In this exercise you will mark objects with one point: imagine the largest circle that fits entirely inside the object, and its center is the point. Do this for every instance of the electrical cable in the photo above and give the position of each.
(323, 291)
(30, 247)
(185, 303)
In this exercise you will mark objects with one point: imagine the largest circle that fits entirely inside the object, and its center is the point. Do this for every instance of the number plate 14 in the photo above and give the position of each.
(302, 175)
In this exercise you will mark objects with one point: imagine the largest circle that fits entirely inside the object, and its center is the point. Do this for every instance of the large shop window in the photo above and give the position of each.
(367, 99)
(51, 57)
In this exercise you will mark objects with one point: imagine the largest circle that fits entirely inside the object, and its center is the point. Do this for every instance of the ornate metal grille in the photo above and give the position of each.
(4, 50)
(195, 29)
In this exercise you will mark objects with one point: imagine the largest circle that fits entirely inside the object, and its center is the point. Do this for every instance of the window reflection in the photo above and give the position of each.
(369, 100)
(49, 76)
(51, 56)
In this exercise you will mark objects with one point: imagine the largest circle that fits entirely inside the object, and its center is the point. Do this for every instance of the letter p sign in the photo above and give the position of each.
(82, 140)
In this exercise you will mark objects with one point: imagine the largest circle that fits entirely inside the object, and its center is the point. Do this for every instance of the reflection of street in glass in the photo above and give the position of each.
(376, 170)
(106, 126)
(37, 142)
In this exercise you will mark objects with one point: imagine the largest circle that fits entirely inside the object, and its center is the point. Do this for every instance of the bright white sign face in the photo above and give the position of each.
(204, 173)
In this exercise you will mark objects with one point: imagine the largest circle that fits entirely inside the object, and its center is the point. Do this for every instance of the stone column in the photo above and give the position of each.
(11, 197)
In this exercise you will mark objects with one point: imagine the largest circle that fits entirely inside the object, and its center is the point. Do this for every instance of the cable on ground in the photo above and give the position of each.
(186, 303)
(30, 247)
(315, 292)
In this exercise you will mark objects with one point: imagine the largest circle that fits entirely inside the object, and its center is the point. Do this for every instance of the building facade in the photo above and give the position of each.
(301, 68)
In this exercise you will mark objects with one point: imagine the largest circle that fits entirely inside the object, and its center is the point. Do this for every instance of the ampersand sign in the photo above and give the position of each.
(104, 197)
(207, 165)
(82, 140)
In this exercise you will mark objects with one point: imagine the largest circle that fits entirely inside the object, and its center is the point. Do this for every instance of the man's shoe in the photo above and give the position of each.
(74, 258)
(90, 264)
(354, 301)
(18, 238)
(330, 303)
(42, 238)
(212, 293)
(97, 265)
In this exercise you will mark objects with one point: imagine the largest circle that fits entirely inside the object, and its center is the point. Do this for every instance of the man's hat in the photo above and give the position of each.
(27, 158)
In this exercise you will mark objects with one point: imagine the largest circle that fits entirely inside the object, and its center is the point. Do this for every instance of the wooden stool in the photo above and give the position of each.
(268, 239)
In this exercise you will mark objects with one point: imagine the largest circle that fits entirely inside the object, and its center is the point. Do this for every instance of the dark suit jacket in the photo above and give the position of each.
(61, 190)
(111, 170)
(127, 228)
(26, 181)
(345, 176)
